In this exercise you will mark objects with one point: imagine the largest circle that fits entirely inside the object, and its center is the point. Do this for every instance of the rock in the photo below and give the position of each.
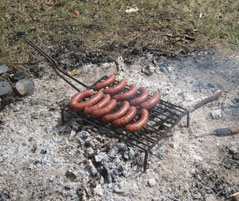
(113, 152)
(101, 157)
(122, 147)
(19, 76)
(93, 169)
(152, 182)
(90, 151)
(25, 87)
(5, 89)
(159, 155)
(71, 175)
(216, 114)
(149, 70)
(84, 134)
(3, 69)
(131, 153)
(98, 190)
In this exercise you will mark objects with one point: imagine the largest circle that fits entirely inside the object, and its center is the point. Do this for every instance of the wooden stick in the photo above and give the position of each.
(207, 100)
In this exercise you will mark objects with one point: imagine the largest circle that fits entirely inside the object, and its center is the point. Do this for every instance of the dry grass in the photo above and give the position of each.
(102, 22)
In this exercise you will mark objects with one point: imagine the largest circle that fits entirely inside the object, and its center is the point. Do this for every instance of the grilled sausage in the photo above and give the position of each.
(119, 113)
(78, 106)
(143, 96)
(116, 89)
(110, 80)
(144, 118)
(128, 94)
(151, 102)
(102, 103)
(106, 109)
(74, 103)
(126, 118)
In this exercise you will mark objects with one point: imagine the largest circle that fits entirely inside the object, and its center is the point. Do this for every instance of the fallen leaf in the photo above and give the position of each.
(74, 72)
(36, 19)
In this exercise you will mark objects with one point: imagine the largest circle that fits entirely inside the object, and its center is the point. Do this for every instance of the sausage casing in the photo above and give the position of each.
(144, 118)
(151, 102)
(102, 103)
(116, 89)
(126, 118)
(143, 96)
(106, 109)
(128, 94)
(78, 106)
(119, 113)
(110, 80)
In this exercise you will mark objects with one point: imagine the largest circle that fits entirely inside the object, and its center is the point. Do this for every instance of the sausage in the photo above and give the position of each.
(144, 118)
(106, 109)
(128, 94)
(119, 113)
(110, 80)
(126, 118)
(115, 89)
(143, 96)
(151, 102)
(102, 103)
(78, 106)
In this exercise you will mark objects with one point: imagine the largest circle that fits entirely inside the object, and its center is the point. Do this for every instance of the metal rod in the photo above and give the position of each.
(56, 67)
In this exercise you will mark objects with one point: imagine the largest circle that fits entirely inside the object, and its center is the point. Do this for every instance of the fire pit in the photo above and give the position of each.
(162, 117)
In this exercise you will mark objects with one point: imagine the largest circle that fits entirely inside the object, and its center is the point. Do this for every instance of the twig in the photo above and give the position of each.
(222, 132)
(207, 100)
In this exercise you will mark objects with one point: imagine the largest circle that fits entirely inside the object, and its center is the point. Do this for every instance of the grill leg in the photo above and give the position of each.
(145, 160)
(188, 119)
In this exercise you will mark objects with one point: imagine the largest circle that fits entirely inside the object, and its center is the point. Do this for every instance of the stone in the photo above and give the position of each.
(5, 89)
(151, 182)
(3, 69)
(98, 190)
(19, 76)
(101, 157)
(122, 147)
(131, 153)
(84, 134)
(216, 114)
(113, 152)
(25, 87)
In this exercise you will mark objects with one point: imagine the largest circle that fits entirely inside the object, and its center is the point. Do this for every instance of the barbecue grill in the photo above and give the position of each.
(162, 117)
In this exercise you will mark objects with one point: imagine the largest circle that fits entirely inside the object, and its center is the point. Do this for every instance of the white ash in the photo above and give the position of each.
(34, 124)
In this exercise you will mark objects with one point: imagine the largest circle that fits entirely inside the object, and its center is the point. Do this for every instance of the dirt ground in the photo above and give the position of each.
(40, 159)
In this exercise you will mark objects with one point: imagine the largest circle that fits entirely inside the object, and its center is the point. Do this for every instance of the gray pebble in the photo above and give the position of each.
(113, 152)
(101, 157)
(90, 151)
(84, 134)
(98, 190)
(122, 147)
(3, 69)
(216, 114)
(152, 182)
(5, 89)
(25, 87)
(131, 153)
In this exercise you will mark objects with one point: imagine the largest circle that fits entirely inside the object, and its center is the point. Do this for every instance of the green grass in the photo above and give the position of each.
(102, 22)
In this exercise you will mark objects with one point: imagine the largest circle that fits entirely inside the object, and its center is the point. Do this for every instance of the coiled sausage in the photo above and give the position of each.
(102, 103)
(151, 102)
(144, 118)
(128, 94)
(110, 80)
(126, 118)
(119, 113)
(78, 106)
(143, 96)
(116, 89)
(106, 109)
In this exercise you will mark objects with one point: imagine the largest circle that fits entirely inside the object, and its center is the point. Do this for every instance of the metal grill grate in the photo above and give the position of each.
(162, 118)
